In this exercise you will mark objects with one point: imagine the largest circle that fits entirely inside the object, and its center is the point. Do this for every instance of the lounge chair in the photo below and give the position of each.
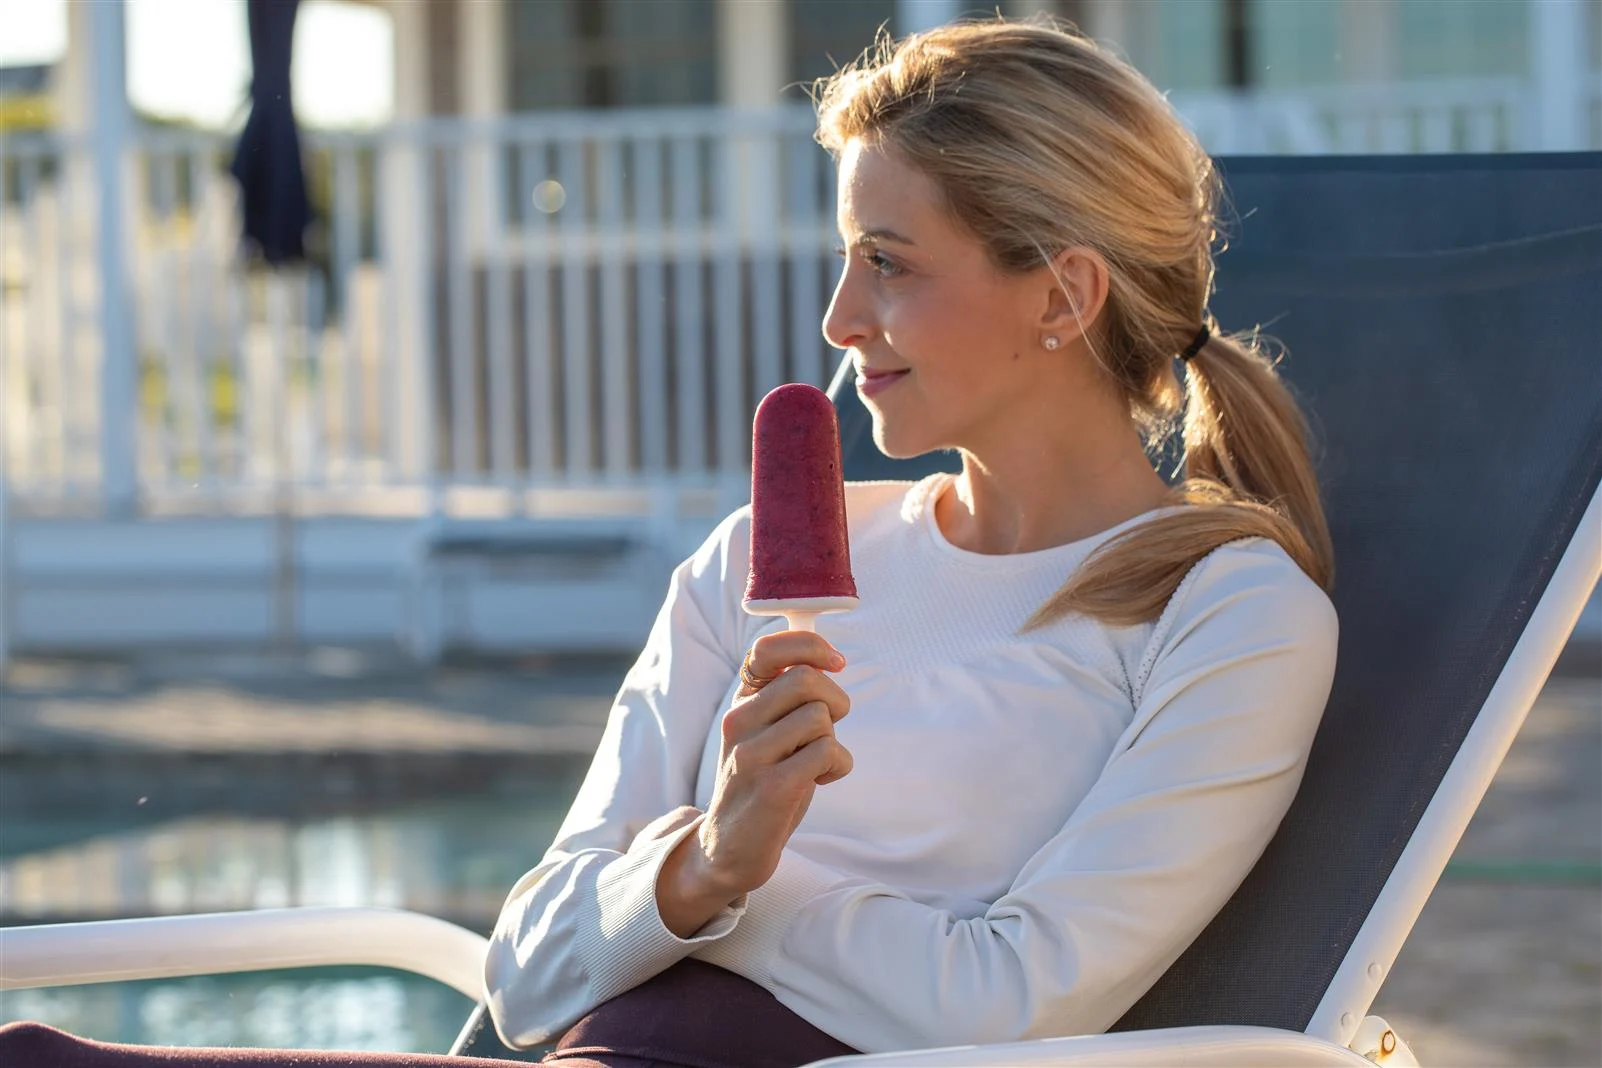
(1444, 319)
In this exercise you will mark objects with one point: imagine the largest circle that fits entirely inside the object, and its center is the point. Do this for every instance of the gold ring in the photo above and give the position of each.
(752, 681)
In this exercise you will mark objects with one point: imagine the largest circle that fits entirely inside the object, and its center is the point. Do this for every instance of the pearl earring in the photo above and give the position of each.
(1052, 342)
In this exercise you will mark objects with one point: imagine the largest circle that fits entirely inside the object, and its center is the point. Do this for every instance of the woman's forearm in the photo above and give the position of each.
(688, 896)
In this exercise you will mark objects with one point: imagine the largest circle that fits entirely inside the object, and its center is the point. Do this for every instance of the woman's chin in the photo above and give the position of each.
(897, 444)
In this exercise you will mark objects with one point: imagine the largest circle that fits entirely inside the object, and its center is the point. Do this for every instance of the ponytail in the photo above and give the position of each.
(1248, 474)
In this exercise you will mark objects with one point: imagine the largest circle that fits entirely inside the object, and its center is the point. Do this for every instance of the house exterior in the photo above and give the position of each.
(492, 57)
(550, 291)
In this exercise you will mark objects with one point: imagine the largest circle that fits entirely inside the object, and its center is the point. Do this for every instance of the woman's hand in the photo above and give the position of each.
(778, 747)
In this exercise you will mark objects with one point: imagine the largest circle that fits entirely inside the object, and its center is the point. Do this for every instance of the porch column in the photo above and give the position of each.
(915, 15)
(1557, 74)
(753, 61)
(405, 229)
(410, 21)
(1022, 9)
(753, 57)
(481, 89)
(1109, 22)
(1368, 41)
(102, 27)
(752, 52)
(481, 57)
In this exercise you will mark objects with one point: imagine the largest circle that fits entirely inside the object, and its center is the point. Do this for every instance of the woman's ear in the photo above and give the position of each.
(1075, 290)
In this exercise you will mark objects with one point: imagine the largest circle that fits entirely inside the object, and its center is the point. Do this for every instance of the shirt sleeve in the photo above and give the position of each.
(1241, 667)
(582, 926)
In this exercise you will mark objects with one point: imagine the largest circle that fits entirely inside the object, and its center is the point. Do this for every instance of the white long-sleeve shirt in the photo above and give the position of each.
(1036, 826)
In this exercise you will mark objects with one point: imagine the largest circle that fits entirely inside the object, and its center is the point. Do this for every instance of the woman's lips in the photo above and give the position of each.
(872, 382)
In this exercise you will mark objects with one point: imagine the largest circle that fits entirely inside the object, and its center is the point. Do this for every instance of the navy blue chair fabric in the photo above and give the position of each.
(1443, 320)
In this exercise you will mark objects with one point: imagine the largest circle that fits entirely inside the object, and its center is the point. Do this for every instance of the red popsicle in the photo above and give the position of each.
(800, 555)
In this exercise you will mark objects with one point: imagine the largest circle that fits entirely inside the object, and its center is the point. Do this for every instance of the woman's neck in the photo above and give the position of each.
(1037, 498)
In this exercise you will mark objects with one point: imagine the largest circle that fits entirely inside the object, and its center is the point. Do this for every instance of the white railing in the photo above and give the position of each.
(576, 300)
(523, 303)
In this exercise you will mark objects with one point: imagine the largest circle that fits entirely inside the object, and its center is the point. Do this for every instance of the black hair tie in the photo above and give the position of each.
(1202, 337)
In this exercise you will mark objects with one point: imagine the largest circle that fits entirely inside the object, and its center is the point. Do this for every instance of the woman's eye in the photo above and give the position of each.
(882, 266)
(877, 261)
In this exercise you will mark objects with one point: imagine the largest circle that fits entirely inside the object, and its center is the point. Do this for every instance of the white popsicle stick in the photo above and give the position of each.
(801, 613)
(807, 621)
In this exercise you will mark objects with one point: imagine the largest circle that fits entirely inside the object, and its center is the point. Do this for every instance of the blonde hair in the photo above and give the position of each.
(1040, 140)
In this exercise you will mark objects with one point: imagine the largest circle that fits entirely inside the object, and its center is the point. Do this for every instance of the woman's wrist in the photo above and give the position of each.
(689, 893)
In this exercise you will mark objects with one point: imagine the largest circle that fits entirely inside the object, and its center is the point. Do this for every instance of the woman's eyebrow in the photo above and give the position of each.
(869, 237)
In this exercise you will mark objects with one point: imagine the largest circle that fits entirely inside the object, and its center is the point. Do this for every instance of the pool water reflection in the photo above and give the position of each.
(313, 1009)
(453, 857)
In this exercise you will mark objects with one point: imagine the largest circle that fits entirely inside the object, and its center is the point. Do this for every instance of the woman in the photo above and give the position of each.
(1079, 702)
(998, 799)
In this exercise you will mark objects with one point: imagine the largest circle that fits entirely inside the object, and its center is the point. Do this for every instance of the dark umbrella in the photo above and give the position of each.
(267, 161)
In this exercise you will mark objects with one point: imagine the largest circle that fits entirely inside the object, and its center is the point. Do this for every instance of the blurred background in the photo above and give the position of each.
(322, 551)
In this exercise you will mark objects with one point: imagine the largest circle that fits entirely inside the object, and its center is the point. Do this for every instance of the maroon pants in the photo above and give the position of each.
(693, 1015)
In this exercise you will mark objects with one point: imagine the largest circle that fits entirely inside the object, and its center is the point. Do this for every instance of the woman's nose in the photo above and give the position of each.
(847, 322)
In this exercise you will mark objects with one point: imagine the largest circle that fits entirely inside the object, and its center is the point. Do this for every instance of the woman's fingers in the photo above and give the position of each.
(773, 654)
(823, 760)
(797, 686)
(794, 731)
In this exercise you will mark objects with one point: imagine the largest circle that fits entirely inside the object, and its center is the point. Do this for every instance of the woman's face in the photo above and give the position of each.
(946, 346)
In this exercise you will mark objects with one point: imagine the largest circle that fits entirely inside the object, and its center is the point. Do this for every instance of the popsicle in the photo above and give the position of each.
(800, 555)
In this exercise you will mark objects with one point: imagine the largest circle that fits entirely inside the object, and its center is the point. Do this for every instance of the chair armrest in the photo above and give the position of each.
(1194, 1047)
(106, 951)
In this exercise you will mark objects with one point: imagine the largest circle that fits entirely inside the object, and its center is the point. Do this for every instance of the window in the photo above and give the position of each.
(1323, 42)
(1295, 45)
(1204, 44)
(611, 53)
(1178, 44)
(825, 35)
(1488, 38)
